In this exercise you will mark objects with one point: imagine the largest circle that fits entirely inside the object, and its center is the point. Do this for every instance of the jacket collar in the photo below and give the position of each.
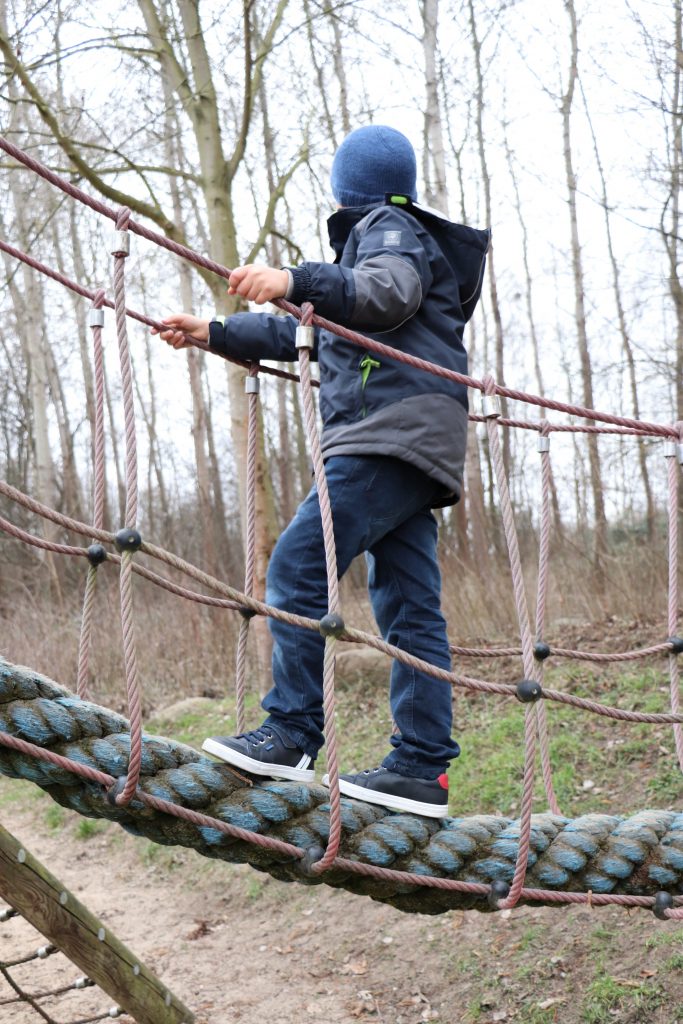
(341, 224)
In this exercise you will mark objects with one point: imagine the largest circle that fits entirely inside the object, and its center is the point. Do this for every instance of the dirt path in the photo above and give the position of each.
(235, 945)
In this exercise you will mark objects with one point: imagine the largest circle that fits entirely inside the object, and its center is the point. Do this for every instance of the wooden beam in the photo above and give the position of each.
(55, 912)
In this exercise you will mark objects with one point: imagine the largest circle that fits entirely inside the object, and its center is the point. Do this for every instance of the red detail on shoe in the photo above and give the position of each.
(443, 781)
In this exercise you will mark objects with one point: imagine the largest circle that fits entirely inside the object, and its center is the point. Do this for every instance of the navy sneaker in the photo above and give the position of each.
(265, 751)
(428, 797)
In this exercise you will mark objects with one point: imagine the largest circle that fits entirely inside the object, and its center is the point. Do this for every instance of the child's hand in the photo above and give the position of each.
(258, 284)
(181, 324)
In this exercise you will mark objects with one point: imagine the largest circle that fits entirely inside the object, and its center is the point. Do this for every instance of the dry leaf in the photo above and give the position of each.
(355, 967)
(547, 1003)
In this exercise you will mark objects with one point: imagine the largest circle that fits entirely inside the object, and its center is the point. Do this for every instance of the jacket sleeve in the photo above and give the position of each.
(255, 336)
(385, 286)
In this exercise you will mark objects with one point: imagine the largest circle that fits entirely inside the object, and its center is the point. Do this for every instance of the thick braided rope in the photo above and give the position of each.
(304, 344)
(250, 546)
(126, 572)
(74, 750)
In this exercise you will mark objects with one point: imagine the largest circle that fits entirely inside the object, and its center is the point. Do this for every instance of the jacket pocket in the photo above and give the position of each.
(341, 394)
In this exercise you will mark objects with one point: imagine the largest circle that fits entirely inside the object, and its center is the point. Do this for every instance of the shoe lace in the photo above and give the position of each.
(257, 735)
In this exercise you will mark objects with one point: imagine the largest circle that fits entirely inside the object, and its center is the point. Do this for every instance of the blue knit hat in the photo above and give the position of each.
(371, 162)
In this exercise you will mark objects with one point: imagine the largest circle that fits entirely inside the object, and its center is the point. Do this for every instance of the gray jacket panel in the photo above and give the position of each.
(429, 431)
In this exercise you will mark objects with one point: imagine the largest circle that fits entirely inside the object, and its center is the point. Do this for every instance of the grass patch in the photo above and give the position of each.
(254, 889)
(664, 938)
(196, 719)
(535, 1015)
(18, 791)
(55, 817)
(86, 828)
(606, 994)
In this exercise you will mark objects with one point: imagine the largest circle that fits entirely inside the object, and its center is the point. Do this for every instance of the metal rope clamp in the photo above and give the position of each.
(670, 449)
(95, 317)
(542, 444)
(305, 337)
(121, 243)
(490, 407)
(252, 385)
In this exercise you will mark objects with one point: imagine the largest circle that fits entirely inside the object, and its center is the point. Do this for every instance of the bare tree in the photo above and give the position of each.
(600, 530)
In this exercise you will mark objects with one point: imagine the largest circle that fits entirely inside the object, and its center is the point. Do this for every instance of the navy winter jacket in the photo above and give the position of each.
(405, 276)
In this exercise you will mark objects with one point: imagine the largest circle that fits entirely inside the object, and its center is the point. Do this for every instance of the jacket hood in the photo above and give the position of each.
(464, 247)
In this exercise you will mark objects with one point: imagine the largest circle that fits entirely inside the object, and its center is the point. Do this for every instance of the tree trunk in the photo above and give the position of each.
(600, 528)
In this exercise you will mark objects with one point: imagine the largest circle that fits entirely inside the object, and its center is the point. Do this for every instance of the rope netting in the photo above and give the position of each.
(38, 990)
(533, 649)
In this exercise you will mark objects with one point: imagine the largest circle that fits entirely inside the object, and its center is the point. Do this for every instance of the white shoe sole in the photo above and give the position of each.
(271, 771)
(395, 803)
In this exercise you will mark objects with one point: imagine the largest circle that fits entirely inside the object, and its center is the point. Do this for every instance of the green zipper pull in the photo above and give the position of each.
(366, 364)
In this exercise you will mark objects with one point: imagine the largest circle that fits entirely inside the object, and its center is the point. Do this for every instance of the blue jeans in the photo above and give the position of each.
(381, 506)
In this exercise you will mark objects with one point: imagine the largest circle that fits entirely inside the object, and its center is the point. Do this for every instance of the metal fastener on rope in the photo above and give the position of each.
(528, 691)
(127, 539)
(676, 644)
(95, 318)
(97, 554)
(498, 892)
(113, 792)
(542, 443)
(663, 901)
(252, 386)
(121, 243)
(312, 854)
(670, 449)
(541, 650)
(305, 336)
(490, 407)
(331, 624)
(679, 448)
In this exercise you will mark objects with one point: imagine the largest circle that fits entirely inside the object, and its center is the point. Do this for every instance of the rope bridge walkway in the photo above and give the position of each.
(100, 764)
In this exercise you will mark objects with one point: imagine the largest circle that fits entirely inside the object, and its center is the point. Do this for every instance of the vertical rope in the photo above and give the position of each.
(333, 595)
(672, 450)
(252, 387)
(126, 578)
(492, 413)
(96, 320)
(541, 604)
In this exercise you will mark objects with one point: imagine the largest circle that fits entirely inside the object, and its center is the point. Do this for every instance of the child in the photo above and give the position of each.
(394, 446)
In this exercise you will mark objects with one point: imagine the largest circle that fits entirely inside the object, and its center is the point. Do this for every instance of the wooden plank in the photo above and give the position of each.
(53, 910)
